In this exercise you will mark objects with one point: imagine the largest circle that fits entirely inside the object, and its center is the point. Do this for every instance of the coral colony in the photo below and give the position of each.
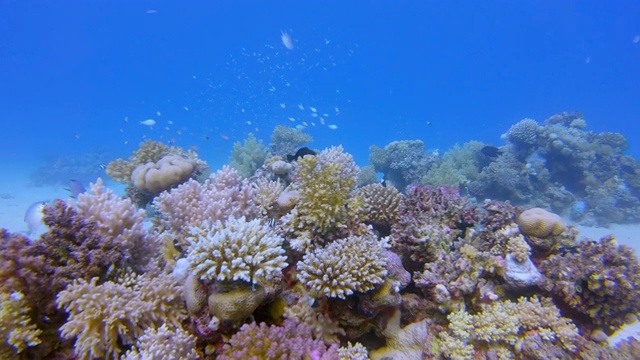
(310, 257)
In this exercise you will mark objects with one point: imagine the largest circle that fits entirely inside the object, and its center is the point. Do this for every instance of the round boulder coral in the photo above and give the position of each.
(540, 223)
(169, 171)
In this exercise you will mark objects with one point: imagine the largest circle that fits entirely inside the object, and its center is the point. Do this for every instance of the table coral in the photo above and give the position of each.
(343, 267)
(600, 280)
(237, 250)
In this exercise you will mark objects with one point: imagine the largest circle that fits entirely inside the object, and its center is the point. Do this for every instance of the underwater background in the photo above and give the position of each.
(319, 179)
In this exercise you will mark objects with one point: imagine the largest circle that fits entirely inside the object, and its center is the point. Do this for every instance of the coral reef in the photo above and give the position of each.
(286, 140)
(402, 162)
(248, 157)
(600, 280)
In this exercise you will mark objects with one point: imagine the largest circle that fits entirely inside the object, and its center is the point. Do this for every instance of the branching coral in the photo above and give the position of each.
(119, 220)
(249, 157)
(102, 318)
(600, 280)
(343, 267)
(381, 206)
(193, 204)
(532, 327)
(326, 183)
(237, 250)
(164, 344)
(16, 330)
(289, 341)
(431, 219)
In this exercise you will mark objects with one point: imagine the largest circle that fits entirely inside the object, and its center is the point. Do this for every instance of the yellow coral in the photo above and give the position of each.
(540, 223)
(237, 304)
(15, 325)
(325, 192)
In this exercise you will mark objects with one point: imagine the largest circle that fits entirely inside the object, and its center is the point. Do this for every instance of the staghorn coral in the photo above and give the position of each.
(225, 194)
(16, 329)
(104, 317)
(163, 344)
(531, 327)
(343, 267)
(289, 341)
(168, 172)
(249, 157)
(381, 206)
(540, 223)
(600, 280)
(237, 250)
(402, 162)
(325, 183)
(286, 140)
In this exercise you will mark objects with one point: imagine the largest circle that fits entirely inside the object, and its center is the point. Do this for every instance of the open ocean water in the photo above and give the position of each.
(85, 82)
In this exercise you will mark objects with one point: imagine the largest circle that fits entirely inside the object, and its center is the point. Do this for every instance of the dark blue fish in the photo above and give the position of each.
(76, 188)
(491, 151)
(300, 153)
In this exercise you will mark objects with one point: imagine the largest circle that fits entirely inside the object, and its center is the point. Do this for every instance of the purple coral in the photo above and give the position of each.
(428, 215)
(600, 280)
(289, 341)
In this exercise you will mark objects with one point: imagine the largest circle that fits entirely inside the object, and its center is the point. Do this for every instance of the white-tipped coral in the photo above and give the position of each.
(344, 267)
(164, 344)
(237, 250)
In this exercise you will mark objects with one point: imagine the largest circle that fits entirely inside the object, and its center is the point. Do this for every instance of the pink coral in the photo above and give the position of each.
(289, 341)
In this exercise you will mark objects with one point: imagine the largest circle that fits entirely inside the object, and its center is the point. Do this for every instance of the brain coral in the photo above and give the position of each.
(169, 171)
(343, 267)
(237, 250)
(540, 223)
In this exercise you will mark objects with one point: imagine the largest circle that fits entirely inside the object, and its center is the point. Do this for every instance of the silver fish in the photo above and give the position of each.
(34, 215)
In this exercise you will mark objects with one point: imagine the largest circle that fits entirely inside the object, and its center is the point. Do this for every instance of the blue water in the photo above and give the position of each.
(79, 76)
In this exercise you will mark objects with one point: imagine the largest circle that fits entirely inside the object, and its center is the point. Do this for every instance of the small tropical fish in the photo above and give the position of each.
(313, 109)
(287, 41)
(332, 126)
(148, 122)
(300, 153)
(33, 217)
(103, 166)
(224, 136)
(76, 188)
(491, 151)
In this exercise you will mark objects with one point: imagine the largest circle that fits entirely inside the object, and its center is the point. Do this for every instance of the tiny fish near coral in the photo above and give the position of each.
(148, 122)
